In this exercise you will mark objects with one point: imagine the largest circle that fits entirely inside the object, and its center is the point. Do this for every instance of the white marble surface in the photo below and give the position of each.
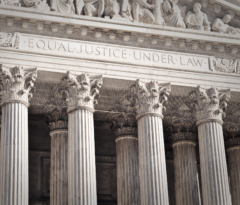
(152, 163)
(81, 159)
(128, 188)
(214, 176)
(14, 155)
(59, 167)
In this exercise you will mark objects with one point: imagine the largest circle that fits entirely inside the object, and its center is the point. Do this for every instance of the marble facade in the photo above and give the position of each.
(120, 102)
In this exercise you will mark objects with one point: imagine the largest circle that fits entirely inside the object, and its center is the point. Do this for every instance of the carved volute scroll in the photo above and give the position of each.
(149, 98)
(57, 119)
(209, 104)
(17, 84)
(79, 91)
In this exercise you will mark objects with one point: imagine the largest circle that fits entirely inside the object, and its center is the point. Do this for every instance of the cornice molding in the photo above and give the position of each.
(80, 25)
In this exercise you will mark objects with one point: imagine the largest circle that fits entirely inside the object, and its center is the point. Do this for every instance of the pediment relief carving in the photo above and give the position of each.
(215, 16)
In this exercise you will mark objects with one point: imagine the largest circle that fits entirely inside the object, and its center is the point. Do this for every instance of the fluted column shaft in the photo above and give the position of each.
(17, 83)
(233, 154)
(215, 185)
(185, 173)
(152, 163)
(59, 170)
(14, 155)
(128, 192)
(81, 158)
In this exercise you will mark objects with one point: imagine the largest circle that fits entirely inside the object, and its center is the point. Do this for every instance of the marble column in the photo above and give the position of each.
(233, 155)
(125, 131)
(149, 99)
(209, 106)
(81, 95)
(185, 168)
(57, 122)
(16, 92)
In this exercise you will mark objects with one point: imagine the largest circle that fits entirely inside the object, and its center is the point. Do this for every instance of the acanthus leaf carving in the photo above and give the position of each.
(17, 84)
(225, 65)
(9, 40)
(209, 104)
(80, 91)
(149, 97)
(57, 119)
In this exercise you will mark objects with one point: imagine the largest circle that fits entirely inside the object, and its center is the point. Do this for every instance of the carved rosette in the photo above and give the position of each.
(124, 124)
(17, 84)
(80, 92)
(149, 98)
(209, 104)
(57, 119)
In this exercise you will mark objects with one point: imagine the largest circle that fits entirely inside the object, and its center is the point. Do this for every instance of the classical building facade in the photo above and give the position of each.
(120, 102)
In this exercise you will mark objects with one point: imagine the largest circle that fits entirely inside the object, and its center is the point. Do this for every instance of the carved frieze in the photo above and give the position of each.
(9, 40)
(17, 84)
(149, 98)
(80, 91)
(57, 119)
(225, 65)
(209, 104)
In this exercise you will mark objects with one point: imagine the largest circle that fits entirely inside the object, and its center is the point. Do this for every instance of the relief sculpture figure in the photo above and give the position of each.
(126, 10)
(112, 8)
(90, 7)
(141, 12)
(197, 19)
(36, 4)
(10, 2)
(221, 25)
(62, 6)
(173, 15)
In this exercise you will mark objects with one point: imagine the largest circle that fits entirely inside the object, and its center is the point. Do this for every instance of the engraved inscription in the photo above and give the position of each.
(112, 53)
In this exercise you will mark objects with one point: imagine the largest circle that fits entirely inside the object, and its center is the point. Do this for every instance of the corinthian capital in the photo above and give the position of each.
(80, 91)
(57, 119)
(17, 84)
(209, 104)
(149, 98)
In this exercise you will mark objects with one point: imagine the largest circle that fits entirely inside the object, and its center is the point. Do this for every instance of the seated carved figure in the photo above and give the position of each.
(221, 25)
(90, 7)
(10, 2)
(197, 19)
(141, 11)
(62, 6)
(36, 4)
(173, 15)
(112, 8)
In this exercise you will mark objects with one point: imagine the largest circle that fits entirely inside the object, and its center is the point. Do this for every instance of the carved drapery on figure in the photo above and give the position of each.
(17, 84)
(221, 25)
(173, 16)
(197, 19)
(209, 104)
(80, 91)
(66, 7)
(37, 4)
